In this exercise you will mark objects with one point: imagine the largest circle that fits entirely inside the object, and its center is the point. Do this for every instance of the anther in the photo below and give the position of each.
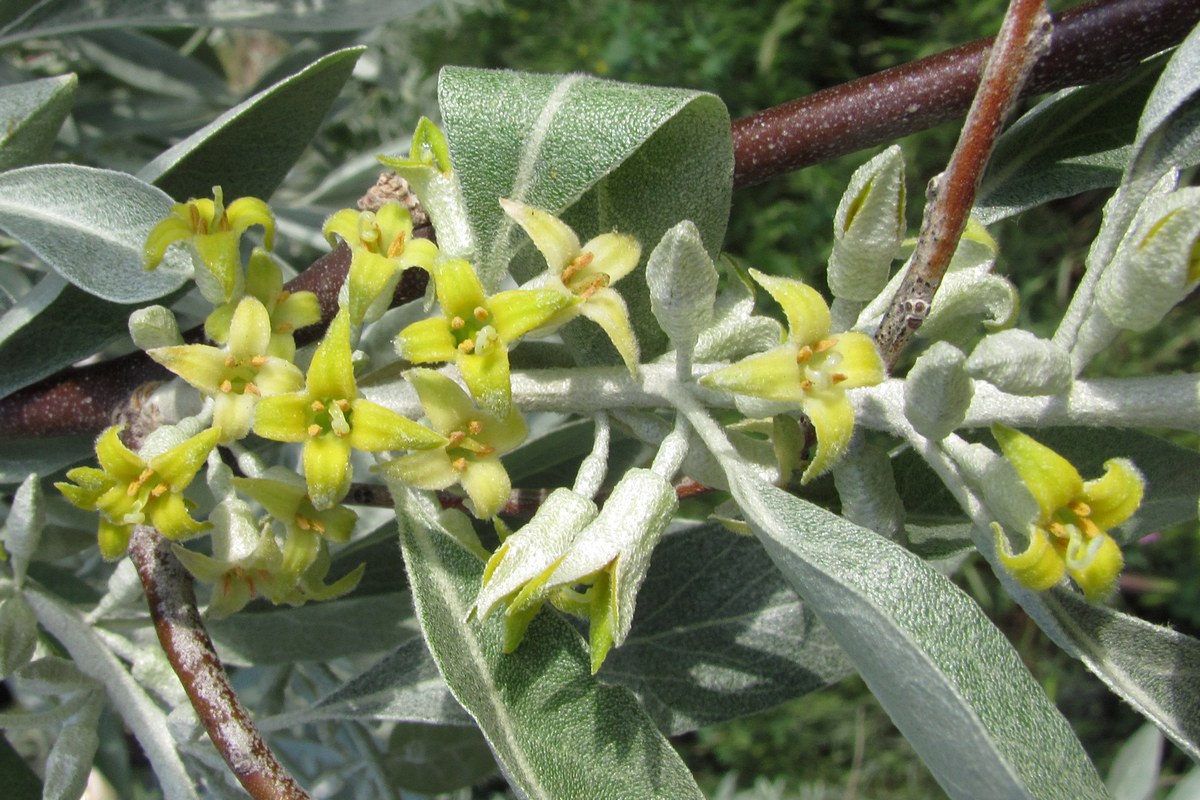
(467, 346)
(837, 377)
(226, 386)
(581, 261)
(456, 438)
(230, 361)
(459, 464)
(258, 361)
(397, 246)
(318, 406)
(159, 491)
(250, 388)
(824, 345)
(457, 324)
(314, 430)
(475, 427)
(804, 354)
(481, 314)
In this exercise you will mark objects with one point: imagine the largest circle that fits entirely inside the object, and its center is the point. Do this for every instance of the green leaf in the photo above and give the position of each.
(948, 678)
(315, 631)
(30, 115)
(147, 63)
(54, 325)
(432, 760)
(70, 762)
(90, 226)
(404, 686)
(56, 17)
(567, 145)
(682, 280)
(1155, 669)
(719, 634)
(556, 731)
(1134, 772)
(1076, 140)
(18, 634)
(23, 528)
(249, 149)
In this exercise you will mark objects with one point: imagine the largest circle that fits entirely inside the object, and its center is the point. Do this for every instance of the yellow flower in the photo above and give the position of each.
(476, 330)
(331, 419)
(1069, 535)
(214, 232)
(476, 439)
(127, 490)
(238, 374)
(382, 245)
(288, 311)
(584, 271)
(812, 369)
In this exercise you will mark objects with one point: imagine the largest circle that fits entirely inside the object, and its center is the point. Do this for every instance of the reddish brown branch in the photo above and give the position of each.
(1092, 42)
(188, 647)
(1024, 36)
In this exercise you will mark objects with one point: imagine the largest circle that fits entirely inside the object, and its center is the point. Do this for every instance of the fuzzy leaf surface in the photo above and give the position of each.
(948, 678)
(30, 115)
(555, 730)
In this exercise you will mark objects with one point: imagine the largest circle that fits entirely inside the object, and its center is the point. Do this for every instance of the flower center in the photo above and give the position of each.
(466, 330)
(330, 416)
(240, 375)
(464, 446)
(819, 364)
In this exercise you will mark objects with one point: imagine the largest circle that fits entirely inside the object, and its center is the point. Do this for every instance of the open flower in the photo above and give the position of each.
(381, 246)
(475, 440)
(288, 311)
(127, 490)
(585, 272)
(1069, 535)
(475, 330)
(812, 369)
(238, 374)
(331, 419)
(214, 232)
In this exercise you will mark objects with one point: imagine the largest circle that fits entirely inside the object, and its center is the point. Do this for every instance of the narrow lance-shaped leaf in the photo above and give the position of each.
(555, 731)
(30, 115)
(949, 679)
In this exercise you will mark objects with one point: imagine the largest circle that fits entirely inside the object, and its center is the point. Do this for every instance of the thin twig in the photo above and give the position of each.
(188, 647)
(1024, 35)
(1092, 42)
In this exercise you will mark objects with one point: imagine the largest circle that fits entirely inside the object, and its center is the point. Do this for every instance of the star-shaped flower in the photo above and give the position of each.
(475, 440)
(812, 369)
(128, 490)
(382, 245)
(331, 419)
(1070, 532)
(584, 271)
(475, 330)
(238, 374)
(214, 232)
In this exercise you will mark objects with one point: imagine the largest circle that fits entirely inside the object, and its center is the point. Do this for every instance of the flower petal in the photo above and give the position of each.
(486, 374)
(428, 469)
(113, 539)
(374, 428)
(614, 254)
(551, 236)
(121, 463)
(1051, 479)
(281, 498)
(860, 362)
(419, 253)
(371, 275)
(169, 516)
(518, 311)
(448, 407)
(283, 418)
(180, 464)
(1095, 565)
(219, 252)
(807, 314)
(429, 340)
(247, 211)
(278, 376)
(487, 484)
(250, 329)
(327, 469)
(1114, 496)
(233, 415)
(200, 365)
(773, 375)
(331, 372)
(172, 229)
(833, 419)
(607, 309)
(342, 225)
(1039, 567)
(458, 288)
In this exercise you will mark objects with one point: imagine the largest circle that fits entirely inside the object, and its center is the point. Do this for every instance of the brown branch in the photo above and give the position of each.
(181, 633)
(1024, 35)
(1092, 42)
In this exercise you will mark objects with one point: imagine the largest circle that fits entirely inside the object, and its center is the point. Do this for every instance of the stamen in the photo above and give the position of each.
(837, 377)
(459, 464)
(481, 314)
(258, 361)
(397, 245)
(303, 524)
(343, 404)
(318, 406)
(159, 491)
(285, 327)
(467, 346)
(230, 361)
(284, 294)
(226, 386)
(825, 344)
(475, 427)
(596, 285)
(457, 324)
(456, 438)
(804, 354)
(314, 430)
(250, 388)
(580, 261)
(806, 385)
